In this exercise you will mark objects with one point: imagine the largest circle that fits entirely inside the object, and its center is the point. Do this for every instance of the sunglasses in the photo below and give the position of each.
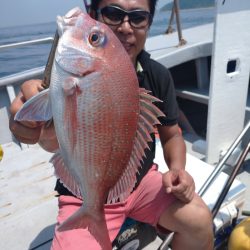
(113, 15)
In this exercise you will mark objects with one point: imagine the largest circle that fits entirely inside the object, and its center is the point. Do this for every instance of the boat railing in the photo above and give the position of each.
(30, 42)
(13, 79)
(9, 85)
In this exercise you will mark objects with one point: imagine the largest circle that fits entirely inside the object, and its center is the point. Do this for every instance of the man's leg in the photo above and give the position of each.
(192, 224)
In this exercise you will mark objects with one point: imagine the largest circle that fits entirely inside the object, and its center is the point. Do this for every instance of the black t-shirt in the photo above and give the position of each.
(156, 78)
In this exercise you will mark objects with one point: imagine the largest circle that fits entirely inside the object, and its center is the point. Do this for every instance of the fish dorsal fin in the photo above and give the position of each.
(37, 108)
(62, 172)
(148, 118)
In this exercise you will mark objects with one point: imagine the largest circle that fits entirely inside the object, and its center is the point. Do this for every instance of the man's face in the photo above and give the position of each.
(133, 39)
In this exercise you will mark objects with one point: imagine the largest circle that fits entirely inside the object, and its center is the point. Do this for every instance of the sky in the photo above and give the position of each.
(22, 12)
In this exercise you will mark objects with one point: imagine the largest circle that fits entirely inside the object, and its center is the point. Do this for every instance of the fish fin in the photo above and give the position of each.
(148, 118)
(62, 172)
(95, 222)
(37, 108)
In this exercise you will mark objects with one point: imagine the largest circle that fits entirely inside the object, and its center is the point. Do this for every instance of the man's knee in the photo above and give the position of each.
(202, 219)
(194, 216)
(192, 224)
(200, 228)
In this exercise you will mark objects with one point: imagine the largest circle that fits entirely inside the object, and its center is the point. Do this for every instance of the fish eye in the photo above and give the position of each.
(96, 38)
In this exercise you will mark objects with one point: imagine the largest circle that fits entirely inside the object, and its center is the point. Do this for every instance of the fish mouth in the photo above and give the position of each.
(74, 70)
(74, 62)
(83, 74)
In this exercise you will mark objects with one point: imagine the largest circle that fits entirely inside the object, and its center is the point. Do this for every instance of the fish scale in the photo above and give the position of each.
(102, 119)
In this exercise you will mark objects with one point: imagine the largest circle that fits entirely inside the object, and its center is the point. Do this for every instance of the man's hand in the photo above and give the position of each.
(26, 132)
(31, 132)
(180, 183)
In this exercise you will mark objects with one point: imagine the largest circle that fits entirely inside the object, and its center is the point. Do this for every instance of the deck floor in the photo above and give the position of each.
(28, 205)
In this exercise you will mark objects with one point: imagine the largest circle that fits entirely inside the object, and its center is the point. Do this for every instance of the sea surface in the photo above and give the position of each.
(19, 59)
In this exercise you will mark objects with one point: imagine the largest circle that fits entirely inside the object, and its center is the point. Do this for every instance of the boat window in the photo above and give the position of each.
(231, 66)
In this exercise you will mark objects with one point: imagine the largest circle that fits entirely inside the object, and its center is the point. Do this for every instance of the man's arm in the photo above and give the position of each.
(176, 180)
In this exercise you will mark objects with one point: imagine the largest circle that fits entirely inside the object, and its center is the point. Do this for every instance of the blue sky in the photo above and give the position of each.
(21, 12)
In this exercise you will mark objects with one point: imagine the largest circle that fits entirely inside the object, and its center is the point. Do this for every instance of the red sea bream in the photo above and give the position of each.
(102, 119)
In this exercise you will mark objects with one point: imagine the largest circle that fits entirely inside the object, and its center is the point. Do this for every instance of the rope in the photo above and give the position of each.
(176, 10)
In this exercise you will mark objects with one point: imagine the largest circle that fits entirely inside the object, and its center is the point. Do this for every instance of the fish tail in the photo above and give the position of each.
(98, 229)
(95, 223)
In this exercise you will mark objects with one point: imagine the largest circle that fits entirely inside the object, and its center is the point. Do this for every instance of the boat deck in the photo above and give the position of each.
(28, 204)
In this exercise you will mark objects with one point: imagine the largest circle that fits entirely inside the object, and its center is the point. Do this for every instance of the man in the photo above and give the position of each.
(167, 200)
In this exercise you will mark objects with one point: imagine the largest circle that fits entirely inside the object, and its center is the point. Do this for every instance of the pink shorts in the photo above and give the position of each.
(145, 204)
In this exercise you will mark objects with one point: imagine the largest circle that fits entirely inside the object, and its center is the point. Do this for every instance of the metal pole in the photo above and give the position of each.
(230, 181)
(19, 44)
(219, 167)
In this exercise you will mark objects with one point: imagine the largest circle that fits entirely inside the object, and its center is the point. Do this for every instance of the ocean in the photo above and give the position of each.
(19, 59)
